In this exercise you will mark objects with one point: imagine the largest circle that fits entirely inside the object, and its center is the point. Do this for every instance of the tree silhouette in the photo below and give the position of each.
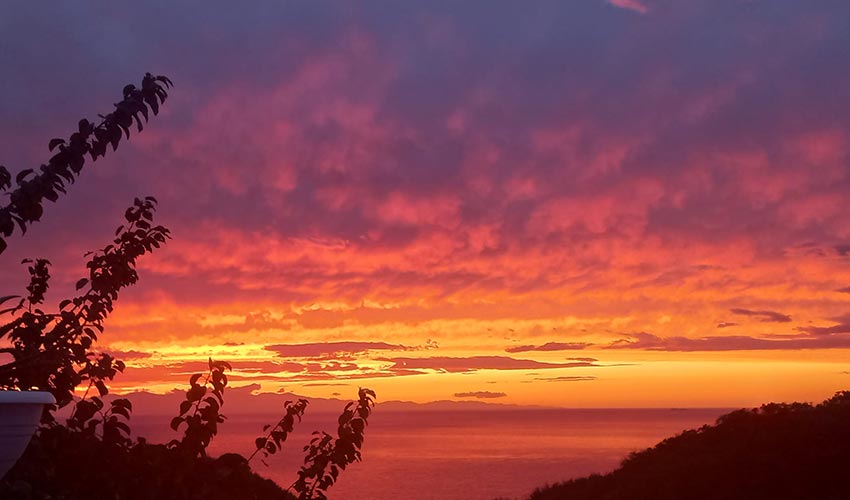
(92, 456)
(56, 351)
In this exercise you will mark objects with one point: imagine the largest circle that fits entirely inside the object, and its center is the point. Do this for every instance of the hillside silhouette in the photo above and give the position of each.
(62, 464)
(778, 451)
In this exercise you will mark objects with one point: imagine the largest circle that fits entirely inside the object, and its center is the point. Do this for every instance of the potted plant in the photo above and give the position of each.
(20, 412)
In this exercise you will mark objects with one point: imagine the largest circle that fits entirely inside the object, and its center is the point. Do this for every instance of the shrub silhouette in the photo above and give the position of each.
(55, 351)
(92, 456)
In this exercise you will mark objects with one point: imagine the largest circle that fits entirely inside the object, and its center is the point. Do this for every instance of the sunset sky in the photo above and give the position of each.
(585, 203)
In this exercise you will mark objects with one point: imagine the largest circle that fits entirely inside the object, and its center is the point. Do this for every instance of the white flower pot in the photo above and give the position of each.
(20, 412)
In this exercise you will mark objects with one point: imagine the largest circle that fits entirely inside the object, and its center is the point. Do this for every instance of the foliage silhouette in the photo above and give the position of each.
(92, 456)
(25, 204)
(273, 441)
(54, 351)
(202, 423)
(327, 457)
(114, 431)
(778, 451)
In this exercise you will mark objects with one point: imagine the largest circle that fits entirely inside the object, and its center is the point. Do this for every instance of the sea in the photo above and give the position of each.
(459, 454)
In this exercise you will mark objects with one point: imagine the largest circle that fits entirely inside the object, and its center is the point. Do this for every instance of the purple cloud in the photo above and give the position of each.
(473, 363)
(549, 346)
(826, 330)
(480, 395)
(649, 342)
(764, 316)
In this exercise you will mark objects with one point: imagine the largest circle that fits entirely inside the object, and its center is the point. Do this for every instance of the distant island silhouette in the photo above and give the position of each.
(777, 451)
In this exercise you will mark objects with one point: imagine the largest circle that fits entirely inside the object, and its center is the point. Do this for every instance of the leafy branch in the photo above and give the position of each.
(272, 442)
(328, 457)
(114, 431)
(25, 201)
(52, 351)
(202, 424)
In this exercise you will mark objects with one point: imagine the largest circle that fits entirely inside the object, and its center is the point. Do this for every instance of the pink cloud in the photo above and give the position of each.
(634, 5)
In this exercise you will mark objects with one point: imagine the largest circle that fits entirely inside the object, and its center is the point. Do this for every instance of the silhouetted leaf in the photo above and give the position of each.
(101, 388)
(195, 393)
(5, 178)
(8, 297)
(119, 410)
(23, 175)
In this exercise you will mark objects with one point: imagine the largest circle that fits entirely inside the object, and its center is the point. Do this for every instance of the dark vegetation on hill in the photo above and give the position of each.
(778, 451)
(63, 464)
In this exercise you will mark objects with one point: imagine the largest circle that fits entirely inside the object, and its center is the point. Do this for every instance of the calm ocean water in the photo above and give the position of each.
(460, 455)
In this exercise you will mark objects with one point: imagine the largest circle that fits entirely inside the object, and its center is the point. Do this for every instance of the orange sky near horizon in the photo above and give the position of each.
(593, 204)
